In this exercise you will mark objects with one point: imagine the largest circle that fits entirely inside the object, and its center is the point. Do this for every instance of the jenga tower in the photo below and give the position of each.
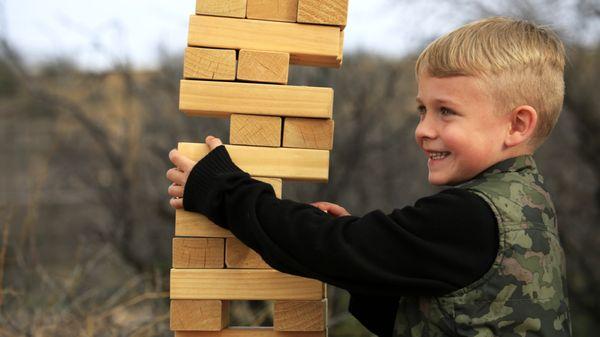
(236, 66)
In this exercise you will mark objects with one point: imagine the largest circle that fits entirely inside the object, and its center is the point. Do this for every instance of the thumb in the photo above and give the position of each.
(213, 142)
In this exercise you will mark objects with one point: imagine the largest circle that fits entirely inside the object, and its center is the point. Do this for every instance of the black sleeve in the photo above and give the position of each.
(378, 314)
(442, 243)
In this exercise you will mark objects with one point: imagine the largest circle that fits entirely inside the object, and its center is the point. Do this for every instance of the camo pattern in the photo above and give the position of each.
(525, 291)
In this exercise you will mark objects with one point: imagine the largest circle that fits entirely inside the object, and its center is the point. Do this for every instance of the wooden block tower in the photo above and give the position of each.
(236, 66)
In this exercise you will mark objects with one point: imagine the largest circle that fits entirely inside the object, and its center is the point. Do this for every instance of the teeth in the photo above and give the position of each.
(438, 155)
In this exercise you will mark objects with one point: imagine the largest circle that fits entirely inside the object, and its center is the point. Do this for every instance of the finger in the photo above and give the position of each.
(176, 203)
(323, 205)
(181, 161)
(176, 176)
(337, 210)
(213, 142)
(331, 208)
(175, 191)
(320, 205)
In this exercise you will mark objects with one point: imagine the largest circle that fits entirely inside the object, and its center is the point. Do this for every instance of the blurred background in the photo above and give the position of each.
(88, 113)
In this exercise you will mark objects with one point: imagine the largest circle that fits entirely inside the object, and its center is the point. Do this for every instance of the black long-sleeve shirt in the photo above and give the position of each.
(442, 243)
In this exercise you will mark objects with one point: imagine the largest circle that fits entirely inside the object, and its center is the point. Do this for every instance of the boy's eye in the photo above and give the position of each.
(446, 112)
(420, 110)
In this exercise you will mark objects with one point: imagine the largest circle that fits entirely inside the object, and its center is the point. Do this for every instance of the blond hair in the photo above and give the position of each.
(519, 62)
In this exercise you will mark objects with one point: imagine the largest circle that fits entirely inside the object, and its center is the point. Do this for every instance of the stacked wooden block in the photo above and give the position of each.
(236, 66)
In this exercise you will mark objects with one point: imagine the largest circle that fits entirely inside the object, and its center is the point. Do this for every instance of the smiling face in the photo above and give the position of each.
(458, 128)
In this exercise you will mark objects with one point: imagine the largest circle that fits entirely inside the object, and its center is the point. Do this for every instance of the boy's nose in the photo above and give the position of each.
(425, 129)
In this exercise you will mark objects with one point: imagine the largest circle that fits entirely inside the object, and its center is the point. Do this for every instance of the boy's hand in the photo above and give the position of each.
(333, 209)
(179, 174)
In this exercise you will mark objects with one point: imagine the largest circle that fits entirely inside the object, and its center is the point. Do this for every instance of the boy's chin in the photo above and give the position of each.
(436, 180)
(437, 183)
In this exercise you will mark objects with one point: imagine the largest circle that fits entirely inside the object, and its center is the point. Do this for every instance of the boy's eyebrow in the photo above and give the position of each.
(438, 100)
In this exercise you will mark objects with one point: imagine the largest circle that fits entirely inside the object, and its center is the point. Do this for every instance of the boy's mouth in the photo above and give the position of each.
(438, 155)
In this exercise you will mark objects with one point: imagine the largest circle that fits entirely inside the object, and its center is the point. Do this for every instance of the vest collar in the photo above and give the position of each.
(515, 164)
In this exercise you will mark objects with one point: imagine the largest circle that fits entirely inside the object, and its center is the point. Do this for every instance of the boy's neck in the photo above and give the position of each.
(510, 153)
(516, 151)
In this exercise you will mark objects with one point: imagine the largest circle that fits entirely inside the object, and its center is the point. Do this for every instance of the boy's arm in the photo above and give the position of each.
(432, 248)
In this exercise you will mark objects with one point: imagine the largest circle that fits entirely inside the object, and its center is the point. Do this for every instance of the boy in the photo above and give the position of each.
(481, 258)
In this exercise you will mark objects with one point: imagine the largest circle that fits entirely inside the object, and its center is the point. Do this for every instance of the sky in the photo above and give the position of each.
(96, 34)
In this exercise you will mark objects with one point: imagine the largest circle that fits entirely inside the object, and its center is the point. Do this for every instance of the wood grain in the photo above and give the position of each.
(229, 8)
(255, 130)
(209, 64)
(324, 12)
(308, 133)
(314, 42)
(242, 284)
(220, 99)
(287, 163)
(300, 315)
(306, 60)
(194, 224)
(198, 253)
(238, 255)
(207, 315)
(273, 10)
(263, 66)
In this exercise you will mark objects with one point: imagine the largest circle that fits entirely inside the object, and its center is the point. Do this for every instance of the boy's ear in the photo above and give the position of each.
(523, 121)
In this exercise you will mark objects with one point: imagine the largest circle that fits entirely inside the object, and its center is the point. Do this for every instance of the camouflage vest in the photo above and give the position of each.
(524, 293)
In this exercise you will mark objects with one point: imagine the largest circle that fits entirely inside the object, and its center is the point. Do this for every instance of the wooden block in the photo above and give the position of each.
(196, 224)
(316, 62)
(309, 133)
(277, 162)
(230, 8)
(209, 64)
(324, 12)
(238, 255)
(242, 284)
(255, 130)
(340, 58)
(273, 10)
(318, 43)
(300, 315)
(207, 315)
(198, 253)
(220, 99)
(263, 66)
(249, 332)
